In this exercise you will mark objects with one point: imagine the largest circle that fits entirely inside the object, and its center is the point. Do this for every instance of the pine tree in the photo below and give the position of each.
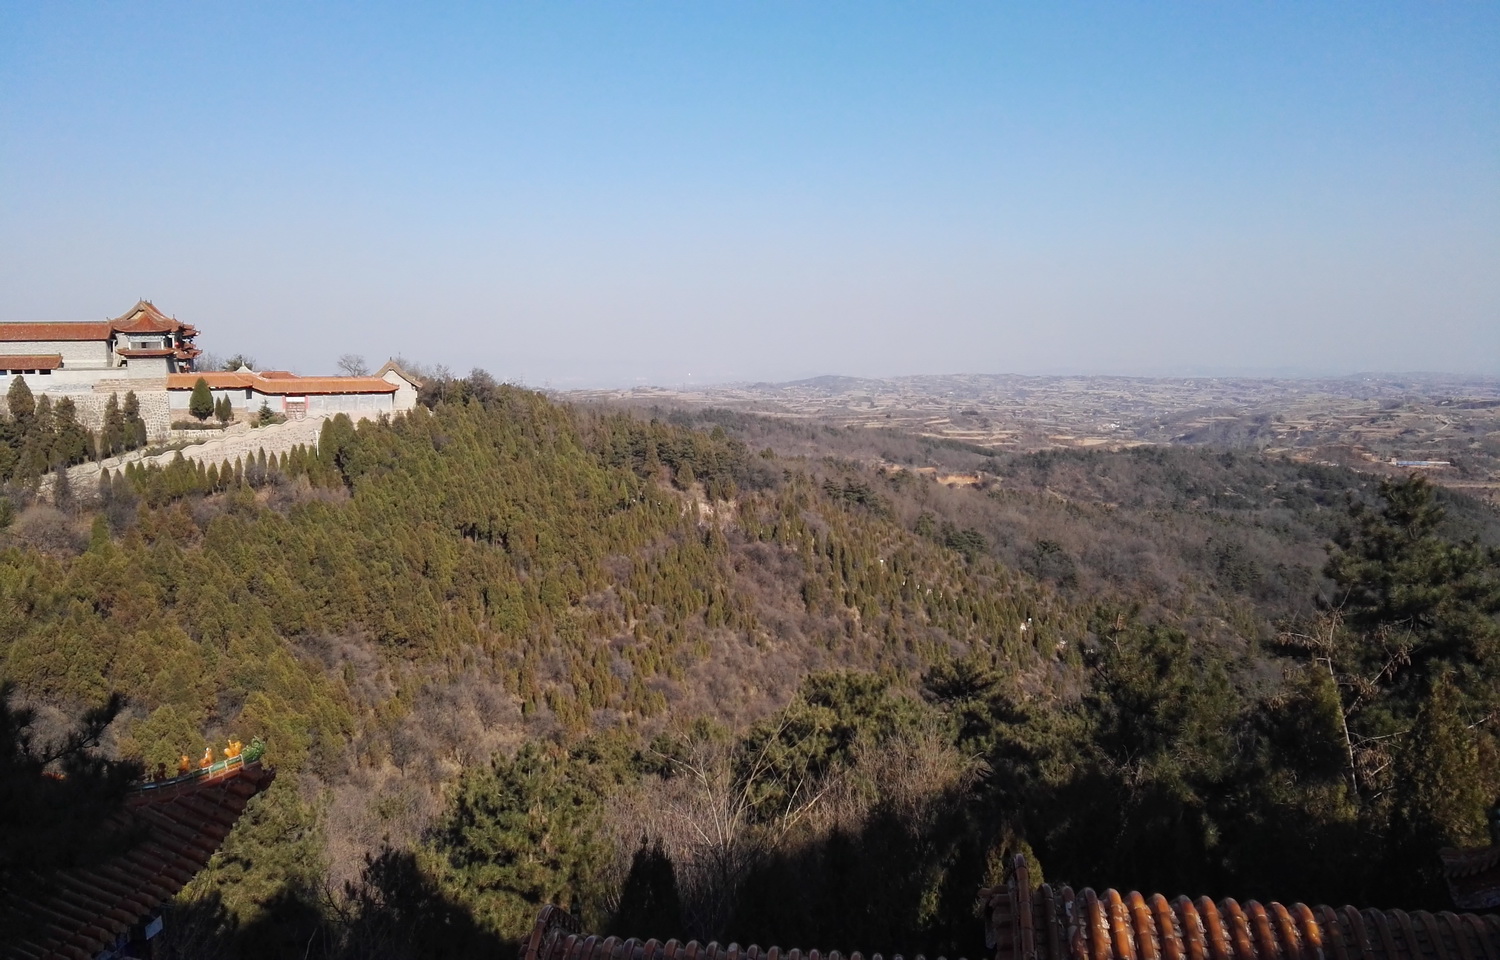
(134, 426)
(74, 443)
(201, 403)
(112, 437)
(1416, 603)
(21, 403)
(1439, 796)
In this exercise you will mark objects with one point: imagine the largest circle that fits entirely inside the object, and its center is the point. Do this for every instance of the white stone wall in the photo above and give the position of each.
(142, 367)
(78, 381)
(180, 400)
(153, 403)
(239, 441)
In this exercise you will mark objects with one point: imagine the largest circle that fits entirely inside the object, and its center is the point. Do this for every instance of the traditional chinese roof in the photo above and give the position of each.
(288, 385)
(1057, 923)
(141, 318)
(556, 936)
(183, 821)
(296, 386)
(1473, 876)
(145, 318)
(216, 380)
(23, 332)
(148, 352)
(30, 361)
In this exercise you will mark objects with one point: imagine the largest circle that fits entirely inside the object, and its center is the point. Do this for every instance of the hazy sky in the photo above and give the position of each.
(575, 193)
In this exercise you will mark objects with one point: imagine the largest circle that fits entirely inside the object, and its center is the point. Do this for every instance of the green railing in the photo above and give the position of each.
(249, 754)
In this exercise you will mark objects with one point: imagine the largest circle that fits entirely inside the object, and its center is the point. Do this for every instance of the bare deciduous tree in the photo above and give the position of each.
(353, 365)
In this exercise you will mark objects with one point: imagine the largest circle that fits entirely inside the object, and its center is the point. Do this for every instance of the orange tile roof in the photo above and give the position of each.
(30, 361)
(1473, 876)
(20, 332)
(145, 318)
(282, 386)
(556, 936)
(148, 352)
(217, 380)
(297, 386)
(1055, 923)
(86, 909)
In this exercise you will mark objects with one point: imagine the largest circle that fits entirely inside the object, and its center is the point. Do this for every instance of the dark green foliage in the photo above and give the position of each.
(134, 426)
(1440, 797)
(39, 437)
(832, 718)
(115, 434)
(73, 444)
(201, 402)
(525, 832)
(20, 402)
(1420, 602)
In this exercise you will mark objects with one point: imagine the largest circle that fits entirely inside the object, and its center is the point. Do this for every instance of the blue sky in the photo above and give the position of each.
(575, 193)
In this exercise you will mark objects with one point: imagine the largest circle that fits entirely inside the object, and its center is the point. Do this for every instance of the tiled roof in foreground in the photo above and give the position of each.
(183, 820)
(1057, 923)
(556, 937)
(1473, 876)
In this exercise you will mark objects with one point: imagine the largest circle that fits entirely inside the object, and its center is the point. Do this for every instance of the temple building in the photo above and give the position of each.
(141, 344)
(146, 352)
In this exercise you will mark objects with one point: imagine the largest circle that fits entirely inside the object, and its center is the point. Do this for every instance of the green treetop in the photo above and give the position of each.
(201, 403)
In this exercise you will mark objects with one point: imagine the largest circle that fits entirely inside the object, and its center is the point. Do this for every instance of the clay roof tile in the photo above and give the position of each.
(555, 936)
(1113, 926)
(45, 332)
(30, 361)
(184, 822)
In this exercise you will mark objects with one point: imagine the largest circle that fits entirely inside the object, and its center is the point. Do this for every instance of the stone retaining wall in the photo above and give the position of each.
(153, 410)
(243, 442)
(239, 440)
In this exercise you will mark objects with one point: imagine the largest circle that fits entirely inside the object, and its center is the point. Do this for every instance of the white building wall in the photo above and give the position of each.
(179, 400)
(94, 353)
(355, 404)
(143, 368)
(406, 393)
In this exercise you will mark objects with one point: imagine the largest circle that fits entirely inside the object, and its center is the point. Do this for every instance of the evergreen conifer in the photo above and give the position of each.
(201, 402)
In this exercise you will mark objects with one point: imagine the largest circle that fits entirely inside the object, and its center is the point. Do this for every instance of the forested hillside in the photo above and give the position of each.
(708, 677)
